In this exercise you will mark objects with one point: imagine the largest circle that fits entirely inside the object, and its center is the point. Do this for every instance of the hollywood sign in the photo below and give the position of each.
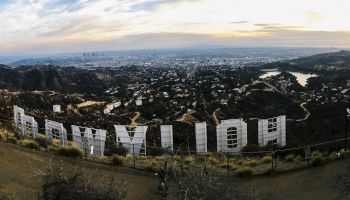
(231, 134)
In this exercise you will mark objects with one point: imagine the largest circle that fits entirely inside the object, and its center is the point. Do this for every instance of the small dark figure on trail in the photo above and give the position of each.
(162, 186)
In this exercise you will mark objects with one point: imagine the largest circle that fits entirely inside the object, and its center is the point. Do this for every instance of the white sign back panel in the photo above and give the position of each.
(55, 130)
(201, 137)
(272, 131)
(90, 140)
(166, 136)
(26, 124)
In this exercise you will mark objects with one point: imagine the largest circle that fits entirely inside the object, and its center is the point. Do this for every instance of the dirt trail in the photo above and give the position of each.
(135, 118)
(307, 112)
(187, 118)
(70, 107)
(17, 165)
(90, 103)
(215, 117)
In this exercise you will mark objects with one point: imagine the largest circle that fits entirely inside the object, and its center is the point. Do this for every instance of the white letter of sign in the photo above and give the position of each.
(26, 124)
(272, 131)
(92, 141)
(55, 131)
(134, 140)
(166, 136)
(201, 137)
(231, 135)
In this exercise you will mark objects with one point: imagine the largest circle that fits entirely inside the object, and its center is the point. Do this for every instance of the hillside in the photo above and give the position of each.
(45, 78)
(18, 164)
(321, 62)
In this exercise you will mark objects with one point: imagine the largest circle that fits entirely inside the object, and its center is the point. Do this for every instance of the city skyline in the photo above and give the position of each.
(57, 26)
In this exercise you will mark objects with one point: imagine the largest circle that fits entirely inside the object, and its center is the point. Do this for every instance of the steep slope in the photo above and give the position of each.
(54, 78)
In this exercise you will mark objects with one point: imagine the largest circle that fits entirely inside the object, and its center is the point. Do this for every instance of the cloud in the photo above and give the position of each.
(268, 27)
(240, 22)
(58, 23)
(282, 38)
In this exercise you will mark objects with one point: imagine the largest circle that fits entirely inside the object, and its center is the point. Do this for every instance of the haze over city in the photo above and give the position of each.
(57, 26)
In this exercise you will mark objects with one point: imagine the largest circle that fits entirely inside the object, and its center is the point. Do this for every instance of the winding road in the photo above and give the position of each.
(307, 112)
(215, 117)
(133, 120)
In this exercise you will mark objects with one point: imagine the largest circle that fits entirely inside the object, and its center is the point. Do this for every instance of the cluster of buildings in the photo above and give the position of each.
(323, 93)
(179, 89)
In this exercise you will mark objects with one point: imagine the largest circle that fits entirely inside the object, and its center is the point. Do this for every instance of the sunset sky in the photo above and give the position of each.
(52, 26)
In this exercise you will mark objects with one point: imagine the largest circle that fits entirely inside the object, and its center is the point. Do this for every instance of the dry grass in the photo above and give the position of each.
(189, 160)
(31, 144)
(151, 165)
(117, 160)
(70, 151)
(251, 163)
(290, 158)
(266, 159)
(245, 172)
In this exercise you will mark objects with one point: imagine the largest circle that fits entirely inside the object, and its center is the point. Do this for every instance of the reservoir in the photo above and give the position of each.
(301, 77)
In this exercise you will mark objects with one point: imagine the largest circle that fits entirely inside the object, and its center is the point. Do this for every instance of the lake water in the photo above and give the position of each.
(301, 77)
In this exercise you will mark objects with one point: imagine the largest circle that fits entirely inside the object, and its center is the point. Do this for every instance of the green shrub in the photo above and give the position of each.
(52, 149)
(290, 158)
(251, 163)
(31, 144)
(117, 160)
(141, 157)
(159, 158)
(212, 160)
(70, 151)
(177, 158)
(155, 151)
(267, 159)
(12, 140)
(316, 160)
(129, 157)
(244, 172)
(116, 150)
(239, 162)
(189, 160)
(210, 168)
(41, 140)
(316, 154)
(231, 166)
(299, 158)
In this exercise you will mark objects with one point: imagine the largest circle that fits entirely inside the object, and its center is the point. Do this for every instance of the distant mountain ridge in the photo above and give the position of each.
(326, 61)
(29, 78)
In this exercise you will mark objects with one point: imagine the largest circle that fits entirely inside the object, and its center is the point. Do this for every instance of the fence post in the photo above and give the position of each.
(85, 147)
(272, 162)
(46, 145)
(228, 165)
(276, 160)
(133, 155)
(182, 165)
